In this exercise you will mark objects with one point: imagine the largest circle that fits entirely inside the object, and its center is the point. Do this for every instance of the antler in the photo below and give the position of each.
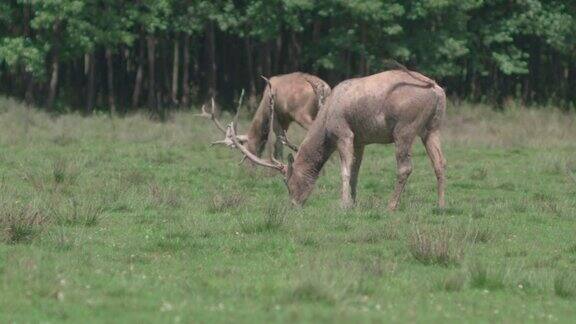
(275, 164)
(233, 140)
(212, 116)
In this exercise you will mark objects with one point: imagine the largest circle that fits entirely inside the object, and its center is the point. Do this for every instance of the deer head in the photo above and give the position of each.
(299, 174)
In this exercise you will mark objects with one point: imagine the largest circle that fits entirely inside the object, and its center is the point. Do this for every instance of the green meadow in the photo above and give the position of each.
(125, 219)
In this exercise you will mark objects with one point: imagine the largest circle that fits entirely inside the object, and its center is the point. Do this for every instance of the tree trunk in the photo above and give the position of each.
(175, 67)
(316, 30)
(363, 68)
(27, 77)
(139, 75)
(295, 51)
(211, 55)
(186, 72)
(276, 68)
(29, 94)
(110, 78)
(53, 86)
(27, 16)
(151, 45)
(89, 71)
(252, 99)
(266, 59)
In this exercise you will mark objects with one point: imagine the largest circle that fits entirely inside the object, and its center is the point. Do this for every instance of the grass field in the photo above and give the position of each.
(129, 220)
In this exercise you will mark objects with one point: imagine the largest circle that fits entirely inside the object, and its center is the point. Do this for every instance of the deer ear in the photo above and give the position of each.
(290, 169)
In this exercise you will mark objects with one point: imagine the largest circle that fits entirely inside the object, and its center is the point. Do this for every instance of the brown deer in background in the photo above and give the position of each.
(298, 97)
(390, 107)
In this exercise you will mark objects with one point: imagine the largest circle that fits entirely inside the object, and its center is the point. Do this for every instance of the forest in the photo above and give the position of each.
(121, 56)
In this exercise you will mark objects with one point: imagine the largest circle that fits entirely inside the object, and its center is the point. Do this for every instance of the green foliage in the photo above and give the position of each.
(21, 52)
(486, 49)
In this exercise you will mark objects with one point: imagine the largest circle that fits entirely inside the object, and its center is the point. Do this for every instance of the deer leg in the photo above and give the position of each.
(404, 167)
(432, 144)
(346, 150)
(358, 153)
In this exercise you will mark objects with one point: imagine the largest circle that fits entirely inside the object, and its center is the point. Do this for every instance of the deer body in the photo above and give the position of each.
(390, 107)
(295, 101)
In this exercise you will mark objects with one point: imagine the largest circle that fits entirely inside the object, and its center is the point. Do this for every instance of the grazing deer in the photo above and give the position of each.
(298, 97)
(390, 107)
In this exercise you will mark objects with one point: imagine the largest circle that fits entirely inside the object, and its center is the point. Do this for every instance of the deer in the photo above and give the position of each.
(394, 106)
(298, 97)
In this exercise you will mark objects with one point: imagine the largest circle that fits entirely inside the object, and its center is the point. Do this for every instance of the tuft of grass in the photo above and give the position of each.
(453, 282)
(273, 220)
(374, 234)
(482, 278)
(61, 172)
(448, 211)
(477, 214)
(479, 235)
(35, 180)
(163, 196)
(565, 285)
(223, 203)
(21, 223)
(81, 212)
(134, 178)
(61, 240)
(311, 292)
(64, 139)
(275, 216)
(373, 208)
(174, 241)
(435, 247)
(548, 203)
(479, 174)
(308, 240)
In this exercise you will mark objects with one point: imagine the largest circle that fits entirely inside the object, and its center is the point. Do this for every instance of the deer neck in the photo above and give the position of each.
(259, 128)
(311, 157)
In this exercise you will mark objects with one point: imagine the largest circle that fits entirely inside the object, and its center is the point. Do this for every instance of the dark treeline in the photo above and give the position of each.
(161, 54)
